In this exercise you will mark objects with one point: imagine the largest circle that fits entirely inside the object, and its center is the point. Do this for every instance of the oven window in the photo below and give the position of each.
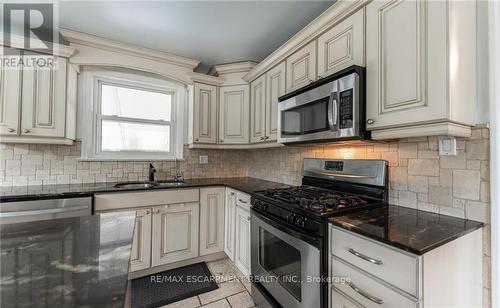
(306, 119)
(282, 261)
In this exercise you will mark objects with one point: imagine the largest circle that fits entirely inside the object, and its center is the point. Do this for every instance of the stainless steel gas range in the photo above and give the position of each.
(289, 228)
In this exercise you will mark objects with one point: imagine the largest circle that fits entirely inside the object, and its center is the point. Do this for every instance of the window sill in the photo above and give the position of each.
(130, 159)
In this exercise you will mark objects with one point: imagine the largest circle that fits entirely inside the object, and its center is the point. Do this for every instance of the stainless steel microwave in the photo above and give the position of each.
(328, 110)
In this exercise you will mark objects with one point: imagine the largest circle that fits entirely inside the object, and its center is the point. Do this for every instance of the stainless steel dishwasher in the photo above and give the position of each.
(44, 209)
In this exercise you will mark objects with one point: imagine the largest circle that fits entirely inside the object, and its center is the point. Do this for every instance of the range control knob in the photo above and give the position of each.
(300, 222)
(291, 218)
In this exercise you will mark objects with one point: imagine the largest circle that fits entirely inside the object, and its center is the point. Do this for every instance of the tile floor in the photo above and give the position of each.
(233, 291)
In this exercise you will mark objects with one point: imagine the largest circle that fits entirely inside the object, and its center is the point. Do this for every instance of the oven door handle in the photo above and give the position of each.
(283, 226)
(332, 109)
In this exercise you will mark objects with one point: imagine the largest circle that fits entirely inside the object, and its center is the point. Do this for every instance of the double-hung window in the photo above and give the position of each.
(129, 116)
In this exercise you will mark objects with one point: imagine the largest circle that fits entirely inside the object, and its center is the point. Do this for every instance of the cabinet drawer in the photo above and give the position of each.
(243, 200)
(397, 268)
(365, 290)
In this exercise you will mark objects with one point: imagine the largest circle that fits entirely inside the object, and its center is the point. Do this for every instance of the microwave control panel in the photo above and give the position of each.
(346, 106)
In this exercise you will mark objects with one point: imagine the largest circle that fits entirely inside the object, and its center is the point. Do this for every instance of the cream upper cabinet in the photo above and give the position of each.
(205, 113)
(275, 87)
(343, 45)
(258, 109)
(140, 256)
(211, 220)
(175, 232)
(301, 67)
(44, 101)
(234, 114)
(420, 66)
(10, 100)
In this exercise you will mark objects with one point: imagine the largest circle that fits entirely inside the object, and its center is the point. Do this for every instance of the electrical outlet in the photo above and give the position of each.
(447, 146)
(203, 159)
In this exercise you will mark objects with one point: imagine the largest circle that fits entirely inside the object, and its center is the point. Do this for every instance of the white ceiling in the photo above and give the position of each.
(213, 32)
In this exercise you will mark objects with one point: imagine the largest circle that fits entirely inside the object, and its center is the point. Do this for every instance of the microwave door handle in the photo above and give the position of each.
(332, 111)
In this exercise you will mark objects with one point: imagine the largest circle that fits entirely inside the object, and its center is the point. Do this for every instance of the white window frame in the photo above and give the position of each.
(90, 114)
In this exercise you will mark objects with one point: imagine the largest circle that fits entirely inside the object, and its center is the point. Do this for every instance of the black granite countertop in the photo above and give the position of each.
(70, 262)
(245, 184)
(412, 230)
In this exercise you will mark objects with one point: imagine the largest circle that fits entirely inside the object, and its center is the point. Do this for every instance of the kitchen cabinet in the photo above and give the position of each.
(234, 113)
(205, 113)
(258, 109)
(10, 100)
(275, 87)
(242, 233)
(229, 221)
(140, 257)
(301, 67)
(211, 220)
(39, 103)
(343, 45)
(384, 276)
(420, 82)
(175, 232)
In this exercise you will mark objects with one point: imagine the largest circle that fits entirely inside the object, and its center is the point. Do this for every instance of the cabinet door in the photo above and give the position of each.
(10, 100)
(211, 220)
(258, 109)
(406, 63)
(242, 252)
(301, 67)
(343, 45)
(229, 223)
(140, 257)
(234, 112)
(175, 232)
(205, 113)
(44, 101)
(275, 87)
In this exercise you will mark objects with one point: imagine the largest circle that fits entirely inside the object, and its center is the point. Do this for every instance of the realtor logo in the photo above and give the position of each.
(29, 26)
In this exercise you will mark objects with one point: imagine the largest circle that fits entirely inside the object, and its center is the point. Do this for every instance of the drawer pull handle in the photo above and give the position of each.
(366, 258)
(242, 201)
(366, 295)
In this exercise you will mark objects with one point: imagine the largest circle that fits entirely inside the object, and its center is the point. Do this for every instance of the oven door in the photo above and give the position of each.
(284, 261)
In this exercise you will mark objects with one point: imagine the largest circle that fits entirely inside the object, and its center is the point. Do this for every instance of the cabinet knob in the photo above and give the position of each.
(221, 141)
(26, 130)
(370, 121)
(262, 138)
(147, 212)
(197, 139)
(11, 130)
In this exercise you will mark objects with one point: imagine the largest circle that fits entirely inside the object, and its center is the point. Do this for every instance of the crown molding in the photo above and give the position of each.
(17, 42)
(79, 38)
(332, 16)
(229, 68)
(207, 79)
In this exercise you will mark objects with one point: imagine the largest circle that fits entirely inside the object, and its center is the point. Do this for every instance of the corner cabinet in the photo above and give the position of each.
(258, 109)
(38, 105)
(175, 236)
(211, 220)
(205, 113)
(301, 67)
(234, 113)
(420, 81)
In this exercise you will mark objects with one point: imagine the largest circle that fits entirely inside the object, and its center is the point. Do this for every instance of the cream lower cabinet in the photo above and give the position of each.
(140, 257)
(234, 114)
(421, 68)
(211, 220)
(175, 232)
(229, 221)
(381, 275)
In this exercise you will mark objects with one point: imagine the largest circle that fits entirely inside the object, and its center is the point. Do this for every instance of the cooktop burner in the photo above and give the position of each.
(318, 200)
